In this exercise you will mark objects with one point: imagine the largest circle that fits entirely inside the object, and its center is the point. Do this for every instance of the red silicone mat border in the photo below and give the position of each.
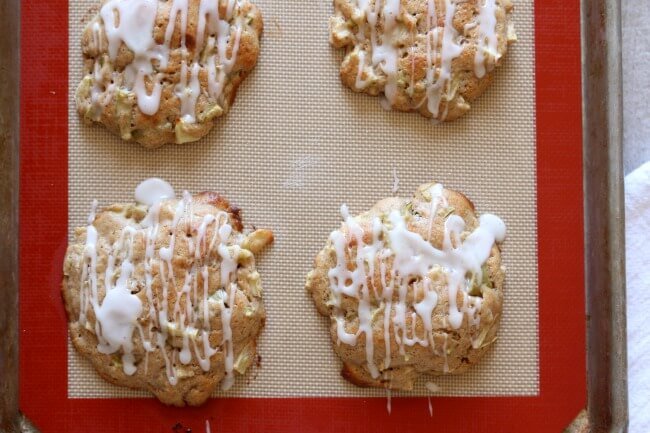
(43, 234)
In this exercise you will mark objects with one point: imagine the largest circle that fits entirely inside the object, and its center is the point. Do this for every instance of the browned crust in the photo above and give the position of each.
(220, 202)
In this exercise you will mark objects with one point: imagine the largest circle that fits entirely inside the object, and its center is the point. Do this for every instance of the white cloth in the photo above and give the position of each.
(637, 237)
(636, 83)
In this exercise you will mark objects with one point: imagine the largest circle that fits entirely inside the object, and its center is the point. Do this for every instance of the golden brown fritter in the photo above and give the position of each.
(428, 56)
(166, 298)
(386, 278)
(190, 67)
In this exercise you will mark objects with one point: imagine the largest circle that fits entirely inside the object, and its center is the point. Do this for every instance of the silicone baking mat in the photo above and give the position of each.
(296, 145)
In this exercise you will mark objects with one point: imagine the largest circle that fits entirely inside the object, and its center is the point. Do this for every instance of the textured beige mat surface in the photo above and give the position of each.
(294, 147)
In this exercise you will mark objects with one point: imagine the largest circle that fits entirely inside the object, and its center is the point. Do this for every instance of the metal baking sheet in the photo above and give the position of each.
(9, 79)
(605, 219)
(603, 222)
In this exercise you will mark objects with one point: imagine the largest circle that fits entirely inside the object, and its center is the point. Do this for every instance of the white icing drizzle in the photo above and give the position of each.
(188, 92)
(97, 36)
(117, 312)
(389, 406)
(131, 22)
(430, 406)
(385, 53)
(438, 84)
(153, 190)
(413, 260)
(432, 387)
(360, 83)
(487, 38)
